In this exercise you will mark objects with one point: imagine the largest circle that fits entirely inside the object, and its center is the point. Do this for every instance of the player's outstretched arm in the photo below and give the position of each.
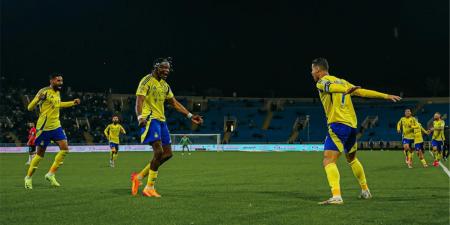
(70, 103)
(365, 93)
(180, 108)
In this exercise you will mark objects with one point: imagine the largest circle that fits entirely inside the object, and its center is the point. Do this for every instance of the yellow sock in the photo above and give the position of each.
(59, 158)
(114, 156)
(436, 155)
(151, 179)
(358, 171)
(111, 153)
(410, 155)
(424, 162)
(144, 172)
(34, 165)
(333, 179)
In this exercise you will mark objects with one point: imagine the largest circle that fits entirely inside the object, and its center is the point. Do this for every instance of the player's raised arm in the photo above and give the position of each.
(180, 108)
(399, 126)
(331, 87)
(40, 96)
(70, 103)
(122, 130)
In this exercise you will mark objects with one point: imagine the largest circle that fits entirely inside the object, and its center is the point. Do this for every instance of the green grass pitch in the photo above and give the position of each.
(223, 188)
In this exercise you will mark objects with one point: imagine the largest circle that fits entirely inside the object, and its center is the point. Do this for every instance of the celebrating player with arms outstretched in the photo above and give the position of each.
(418, 144)
(49, 128)
(335, 94)
(151, 94)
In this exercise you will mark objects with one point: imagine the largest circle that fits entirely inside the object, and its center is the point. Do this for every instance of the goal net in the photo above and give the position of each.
(199, 141)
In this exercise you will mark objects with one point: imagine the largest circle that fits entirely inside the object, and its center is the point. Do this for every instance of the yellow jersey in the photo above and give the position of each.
(155, 93)
(337, 104)
(48, 109)
(113, 132)
(438, 130)
(418, 132)
(405, 125)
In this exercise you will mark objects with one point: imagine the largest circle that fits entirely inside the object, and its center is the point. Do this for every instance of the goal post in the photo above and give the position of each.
(199, 141)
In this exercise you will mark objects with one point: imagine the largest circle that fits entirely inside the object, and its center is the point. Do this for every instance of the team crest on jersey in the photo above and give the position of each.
(156, 135)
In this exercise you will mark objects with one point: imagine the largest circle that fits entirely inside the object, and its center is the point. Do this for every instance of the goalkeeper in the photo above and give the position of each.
(185, 142)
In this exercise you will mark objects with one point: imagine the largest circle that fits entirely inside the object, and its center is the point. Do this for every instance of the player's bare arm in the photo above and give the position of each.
(180, 108)
(139, 104)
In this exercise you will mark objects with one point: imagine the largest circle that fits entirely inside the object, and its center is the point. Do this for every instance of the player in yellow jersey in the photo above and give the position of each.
(404, 126)
(151, 94)
(418, 144)
(48, 128)
(112, 133)
(437, 141)
(335, 94)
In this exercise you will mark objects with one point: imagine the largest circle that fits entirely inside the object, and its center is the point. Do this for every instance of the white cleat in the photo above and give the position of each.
(189, 153)
(365, 194)
(111, 164)
(332, 201)
(28, 183)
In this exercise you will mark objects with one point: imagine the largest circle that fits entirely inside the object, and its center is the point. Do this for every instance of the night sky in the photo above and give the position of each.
(256, 48)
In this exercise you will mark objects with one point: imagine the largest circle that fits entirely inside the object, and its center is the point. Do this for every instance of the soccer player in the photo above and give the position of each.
(404, 126)
(30, 143)
(335, 94)
(49, 128)
(112, 133)
(418, 144)
(185, 142)
(151, 93)
(437, 141)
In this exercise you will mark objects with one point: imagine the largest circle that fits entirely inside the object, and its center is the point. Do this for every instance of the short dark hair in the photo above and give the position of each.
(158, 61)
(321, 62)
(53, 75)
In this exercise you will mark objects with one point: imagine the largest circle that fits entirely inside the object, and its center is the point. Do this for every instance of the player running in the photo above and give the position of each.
(185, 142)
(151, 94)
(49, 128)
(335, 94)
(418, 144)
(437, 141)
(30, 142)
(404, 126)
(112, 133)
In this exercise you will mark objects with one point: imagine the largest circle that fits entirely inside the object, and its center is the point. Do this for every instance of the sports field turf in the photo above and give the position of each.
(223, 188)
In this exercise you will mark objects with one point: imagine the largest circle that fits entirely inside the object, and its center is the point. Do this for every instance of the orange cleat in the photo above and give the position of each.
(135, 183)
(151, 193)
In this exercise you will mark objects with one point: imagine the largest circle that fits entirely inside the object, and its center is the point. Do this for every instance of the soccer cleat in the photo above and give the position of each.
(28, 183)
(27, 163)
(150, 193)
(410, 165)
(135, 183)
(51, 178)
(436, 163)
(365, 194)
(332, 201)
(189, 153)
(111, 163)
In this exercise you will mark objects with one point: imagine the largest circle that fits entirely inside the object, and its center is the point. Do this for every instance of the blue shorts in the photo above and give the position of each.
(114, 145)
(410, 142)
(418, 146)
(155, 130)
(43, 138)
(341, 138)
(437, 144)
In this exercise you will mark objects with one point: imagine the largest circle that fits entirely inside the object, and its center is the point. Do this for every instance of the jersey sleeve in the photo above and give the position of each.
(399, 124)
(35, 100)
(106, 131)
(122, 129)
(67, 104)
(169, 93)
(331, 86)
(143, 87)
